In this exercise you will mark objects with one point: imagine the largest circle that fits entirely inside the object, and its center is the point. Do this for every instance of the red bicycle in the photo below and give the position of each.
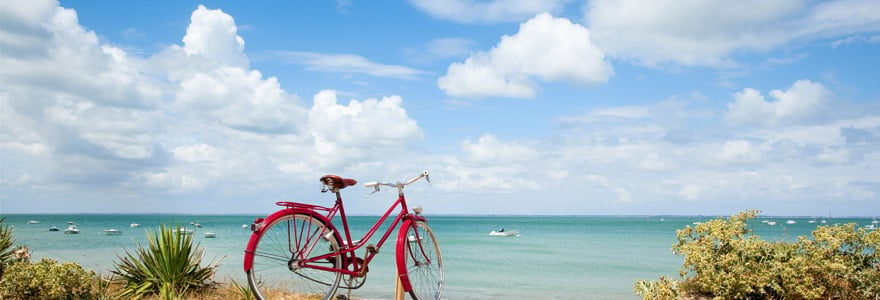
(300, 248)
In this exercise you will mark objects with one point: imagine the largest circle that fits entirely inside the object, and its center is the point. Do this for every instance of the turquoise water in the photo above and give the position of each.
(555, 257)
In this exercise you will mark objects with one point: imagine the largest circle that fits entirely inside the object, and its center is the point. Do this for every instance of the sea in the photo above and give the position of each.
(554, 257)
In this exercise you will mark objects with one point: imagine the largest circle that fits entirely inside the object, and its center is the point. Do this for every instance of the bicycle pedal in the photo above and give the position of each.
(372, 249)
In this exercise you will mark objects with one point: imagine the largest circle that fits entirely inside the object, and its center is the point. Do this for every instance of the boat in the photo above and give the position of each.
(823, 222)
(811, 221)
(197, 225)
(33, 222)
(504, 233)
(185, 231)
(134, 225)
(771, 223)
(790, 222)
(112, 231)
(412, 238)
(875, 222)
(210, 235)
(71, 229)
(244, 226)
(764, 221)
(53, 228)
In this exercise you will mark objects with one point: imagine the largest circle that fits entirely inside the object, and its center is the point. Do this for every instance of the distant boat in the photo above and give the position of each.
(244, 225)
(697, 223)
(875, 222)
(764, 221)
(504, 233)
(185, 231)
(70, 223)
(135, 225)
(823, 222)
(811, 221)
(197, 225)
(210, 235)
(662, 219)
(71, 229)
(870, 227)
(33, 222)
(790, 222)
(771, 223)
(112, 231)
(53, 228)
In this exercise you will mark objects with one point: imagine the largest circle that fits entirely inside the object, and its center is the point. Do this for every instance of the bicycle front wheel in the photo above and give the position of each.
(278, 259)
(420, 262)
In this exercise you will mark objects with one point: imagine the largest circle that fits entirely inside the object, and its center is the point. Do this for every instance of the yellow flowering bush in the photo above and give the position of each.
(46, 279)
(723, 260)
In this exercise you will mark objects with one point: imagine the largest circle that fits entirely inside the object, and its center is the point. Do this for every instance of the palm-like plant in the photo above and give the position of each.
(6, 242)
(171, 265)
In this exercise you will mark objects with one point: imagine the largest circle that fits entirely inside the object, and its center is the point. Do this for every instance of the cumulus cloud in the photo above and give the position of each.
(660, 32)
(213, 34)
(545, 48)
(192, 118)
(475, 11)
(803, 102)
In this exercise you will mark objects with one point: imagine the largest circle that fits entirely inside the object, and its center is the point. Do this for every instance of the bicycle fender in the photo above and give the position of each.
(255, 236)
(400, 253)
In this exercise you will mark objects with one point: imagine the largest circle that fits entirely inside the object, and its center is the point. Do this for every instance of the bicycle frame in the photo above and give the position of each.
(347, 251)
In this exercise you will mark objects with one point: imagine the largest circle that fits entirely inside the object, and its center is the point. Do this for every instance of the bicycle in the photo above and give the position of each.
(300, 245)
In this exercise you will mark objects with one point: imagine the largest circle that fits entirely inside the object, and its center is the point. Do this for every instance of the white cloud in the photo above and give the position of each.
(345, 63)
(803, 102)
(659, 32)
(213, 34)
(489, 150)
(372, 121)
(442, 48)
(492, 11)
(545, 48)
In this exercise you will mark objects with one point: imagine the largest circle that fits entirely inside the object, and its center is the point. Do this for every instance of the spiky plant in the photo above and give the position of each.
(171, 265)
(6, 242)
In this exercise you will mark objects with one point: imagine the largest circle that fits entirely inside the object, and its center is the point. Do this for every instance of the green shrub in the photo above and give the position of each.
(169, 267)
(46, 279)
(723, 260)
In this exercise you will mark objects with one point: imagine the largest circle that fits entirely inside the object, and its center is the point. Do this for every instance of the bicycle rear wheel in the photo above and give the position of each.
(420, 260)
(282, 245)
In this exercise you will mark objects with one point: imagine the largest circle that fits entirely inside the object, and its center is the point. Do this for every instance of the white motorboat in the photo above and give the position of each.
(875, 222)
(771, 223)
(33, 222)
(185, 231)
(764, 221)
(71, 229)
(210, 235)
(244, 226)
(870, 227)
(53, 228)
(790, 222)
(823, 222)
(811, 221)
(112, 231)
(504, 233)
(134, 225)
(197, 225)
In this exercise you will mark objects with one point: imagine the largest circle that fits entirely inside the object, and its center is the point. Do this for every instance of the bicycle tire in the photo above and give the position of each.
(276, 252)
(419, 261)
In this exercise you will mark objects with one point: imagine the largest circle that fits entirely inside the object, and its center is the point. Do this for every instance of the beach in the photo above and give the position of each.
(554, 257)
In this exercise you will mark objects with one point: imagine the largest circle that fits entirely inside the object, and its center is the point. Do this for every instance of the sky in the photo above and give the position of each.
(642, 107)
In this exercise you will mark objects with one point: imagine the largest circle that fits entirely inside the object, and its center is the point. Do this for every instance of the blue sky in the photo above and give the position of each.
(516, 107)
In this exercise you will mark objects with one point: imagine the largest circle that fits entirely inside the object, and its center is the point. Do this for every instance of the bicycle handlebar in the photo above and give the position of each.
(400, 185)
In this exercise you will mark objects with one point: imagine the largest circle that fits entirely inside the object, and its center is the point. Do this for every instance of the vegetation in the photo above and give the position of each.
(46, 279)
(723, 260)
(6, 246)
(170, 267)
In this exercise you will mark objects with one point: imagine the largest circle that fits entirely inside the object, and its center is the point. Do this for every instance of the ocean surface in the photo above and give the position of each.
(554, 257)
